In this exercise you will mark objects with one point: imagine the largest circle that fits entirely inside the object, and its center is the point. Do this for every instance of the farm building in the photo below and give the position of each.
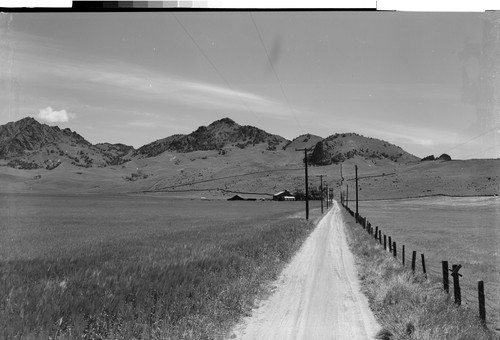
(239, 198)
(236, 198)
(284, 195)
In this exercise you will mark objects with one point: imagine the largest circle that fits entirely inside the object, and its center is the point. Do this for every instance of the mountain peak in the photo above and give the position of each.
(27, 121)
(226, 121)
(219, 134)
(27, 134)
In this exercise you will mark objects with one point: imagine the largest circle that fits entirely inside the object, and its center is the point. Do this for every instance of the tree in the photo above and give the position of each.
(428, 158)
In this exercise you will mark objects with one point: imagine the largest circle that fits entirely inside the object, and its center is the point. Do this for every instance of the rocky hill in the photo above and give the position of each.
(28, 144)
(338, 148)
(216, 136)
(26, 135)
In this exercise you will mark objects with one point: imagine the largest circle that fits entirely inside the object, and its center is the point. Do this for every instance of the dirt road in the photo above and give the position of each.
(317, 295)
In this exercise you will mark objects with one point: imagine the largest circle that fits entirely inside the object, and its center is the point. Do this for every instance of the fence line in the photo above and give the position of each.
(451, 278)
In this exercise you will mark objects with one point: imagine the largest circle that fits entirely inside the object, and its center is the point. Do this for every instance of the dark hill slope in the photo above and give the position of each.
(216, 136)
(157, 147)
(28, 144)
(25, 135)
(339, 147)
(115, 153)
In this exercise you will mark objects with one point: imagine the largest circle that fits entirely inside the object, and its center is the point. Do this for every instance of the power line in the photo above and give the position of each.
(274, 71)
(470, 140)
(225, 177)
(483, 151)
(214, 67)
(372, 176)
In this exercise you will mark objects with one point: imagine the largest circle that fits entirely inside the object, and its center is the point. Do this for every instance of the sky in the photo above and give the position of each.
(427, 82)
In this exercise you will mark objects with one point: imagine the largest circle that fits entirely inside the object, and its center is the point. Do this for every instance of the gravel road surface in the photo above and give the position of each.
(317, 296)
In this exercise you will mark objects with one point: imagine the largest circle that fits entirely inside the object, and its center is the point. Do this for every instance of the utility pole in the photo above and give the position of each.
(356, 167)
(327, 196)
(307, 186)
(347, 197)
(321, 189)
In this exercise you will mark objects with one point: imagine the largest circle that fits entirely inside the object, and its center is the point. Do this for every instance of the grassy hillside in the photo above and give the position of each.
(223, 158)
(258, 170)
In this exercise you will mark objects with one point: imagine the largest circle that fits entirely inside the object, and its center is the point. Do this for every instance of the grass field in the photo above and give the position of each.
(130, 267)
(460, 230)
(408, 305)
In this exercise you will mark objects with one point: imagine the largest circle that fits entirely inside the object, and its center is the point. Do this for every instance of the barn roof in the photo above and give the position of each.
(236, 198)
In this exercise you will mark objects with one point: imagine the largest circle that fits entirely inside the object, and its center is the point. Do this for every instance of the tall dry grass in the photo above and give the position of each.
(189, 284)
(407, 305)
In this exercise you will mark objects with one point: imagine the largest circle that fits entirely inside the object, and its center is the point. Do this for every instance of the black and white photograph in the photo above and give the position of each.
(249, 173)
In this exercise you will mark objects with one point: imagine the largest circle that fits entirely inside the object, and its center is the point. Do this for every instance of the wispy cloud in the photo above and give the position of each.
(146, 85)
(125, 82)
(53, 116)
(403, 133)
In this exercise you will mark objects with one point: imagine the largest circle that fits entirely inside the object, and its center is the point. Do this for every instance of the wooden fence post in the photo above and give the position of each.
(376, 232)
(394, 249)
(456, 283)
(482, 308)
(403, 253)
(446, 279)
(390, 245)
(413, 260)
(380, 236)
(423, 265)
(385, 242)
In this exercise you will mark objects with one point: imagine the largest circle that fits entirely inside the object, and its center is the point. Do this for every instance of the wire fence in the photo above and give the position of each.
(466, 292)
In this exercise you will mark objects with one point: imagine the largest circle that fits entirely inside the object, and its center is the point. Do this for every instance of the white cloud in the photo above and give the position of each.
(51, 116)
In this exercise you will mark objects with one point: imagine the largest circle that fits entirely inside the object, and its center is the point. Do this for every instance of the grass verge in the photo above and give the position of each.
(188, 284)
(407, 306)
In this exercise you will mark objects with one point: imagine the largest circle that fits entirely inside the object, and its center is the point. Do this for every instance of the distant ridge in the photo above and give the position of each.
(28, 144)
(215, 136)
